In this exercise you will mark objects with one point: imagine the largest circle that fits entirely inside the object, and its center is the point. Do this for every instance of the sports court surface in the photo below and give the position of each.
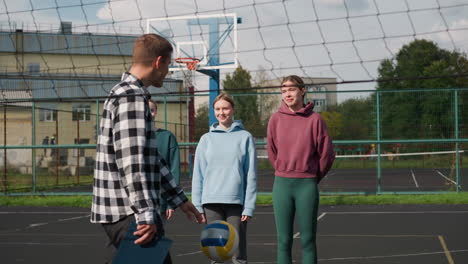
(416, 234)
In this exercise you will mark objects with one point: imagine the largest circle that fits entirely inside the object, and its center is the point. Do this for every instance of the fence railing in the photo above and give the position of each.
(411, 141)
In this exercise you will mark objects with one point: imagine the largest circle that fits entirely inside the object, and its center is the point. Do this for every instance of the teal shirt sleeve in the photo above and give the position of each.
(174, 156)
(197, 178)
(250, 170)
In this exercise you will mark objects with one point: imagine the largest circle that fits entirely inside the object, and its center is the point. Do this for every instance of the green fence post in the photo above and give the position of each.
(379, 169)
(457, 154)
(33, 142)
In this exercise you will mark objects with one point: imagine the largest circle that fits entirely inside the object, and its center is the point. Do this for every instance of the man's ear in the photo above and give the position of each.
(157, 62)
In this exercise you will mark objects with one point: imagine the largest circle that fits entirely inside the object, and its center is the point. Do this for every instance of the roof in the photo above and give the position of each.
(49, 89)
(16, 95)
(58, 43)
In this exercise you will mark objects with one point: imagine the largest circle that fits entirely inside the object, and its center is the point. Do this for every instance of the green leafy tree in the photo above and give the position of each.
(334, 122)
(201, 121)
(358, 119)
(413, 114)
(247, 107)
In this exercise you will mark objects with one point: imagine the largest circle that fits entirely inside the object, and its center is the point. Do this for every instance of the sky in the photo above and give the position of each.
(312, 38)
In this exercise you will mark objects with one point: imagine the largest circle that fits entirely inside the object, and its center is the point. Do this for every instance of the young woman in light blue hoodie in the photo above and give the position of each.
(224, 183)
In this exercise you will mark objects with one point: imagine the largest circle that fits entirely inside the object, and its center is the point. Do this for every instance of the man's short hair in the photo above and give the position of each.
(149, 46)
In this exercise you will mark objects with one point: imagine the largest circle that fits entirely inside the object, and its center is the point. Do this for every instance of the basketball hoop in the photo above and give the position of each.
(191, 63)
(188, 71)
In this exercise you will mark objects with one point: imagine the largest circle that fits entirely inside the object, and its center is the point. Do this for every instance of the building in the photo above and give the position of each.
(321, 91)
(53, 84)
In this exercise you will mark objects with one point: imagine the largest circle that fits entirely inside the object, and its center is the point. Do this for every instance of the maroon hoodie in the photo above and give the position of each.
(298, 143)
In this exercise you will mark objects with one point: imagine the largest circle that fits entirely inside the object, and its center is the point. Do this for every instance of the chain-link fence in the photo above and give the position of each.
(410, 141)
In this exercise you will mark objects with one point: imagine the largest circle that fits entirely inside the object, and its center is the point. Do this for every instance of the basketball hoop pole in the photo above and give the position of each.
(213, 56)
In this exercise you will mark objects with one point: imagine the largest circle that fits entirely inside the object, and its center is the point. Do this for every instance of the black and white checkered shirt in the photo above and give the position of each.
(129, 173)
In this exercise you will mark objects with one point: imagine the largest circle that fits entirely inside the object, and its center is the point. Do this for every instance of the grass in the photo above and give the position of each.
(23, 182)
(85, 200)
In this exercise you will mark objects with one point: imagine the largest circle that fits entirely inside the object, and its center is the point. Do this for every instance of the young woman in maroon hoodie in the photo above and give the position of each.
(301, 152)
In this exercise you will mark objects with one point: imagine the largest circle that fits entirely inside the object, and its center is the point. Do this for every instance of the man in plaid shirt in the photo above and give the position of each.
(129, 175)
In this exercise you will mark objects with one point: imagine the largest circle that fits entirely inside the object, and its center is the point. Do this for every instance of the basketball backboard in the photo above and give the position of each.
(212, 39)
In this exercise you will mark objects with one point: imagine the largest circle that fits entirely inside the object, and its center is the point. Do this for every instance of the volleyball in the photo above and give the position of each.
(219, 241)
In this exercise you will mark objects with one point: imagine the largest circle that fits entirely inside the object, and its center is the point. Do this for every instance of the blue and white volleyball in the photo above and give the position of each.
(219, 241)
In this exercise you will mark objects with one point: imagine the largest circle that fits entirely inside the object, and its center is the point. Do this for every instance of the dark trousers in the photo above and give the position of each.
(232, 214)
(116, 232)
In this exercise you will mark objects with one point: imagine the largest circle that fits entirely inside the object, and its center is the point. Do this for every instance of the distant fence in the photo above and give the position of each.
(411, 141)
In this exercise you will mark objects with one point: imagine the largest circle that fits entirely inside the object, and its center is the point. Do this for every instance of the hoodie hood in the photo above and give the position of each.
(307, 110)
(235, 126)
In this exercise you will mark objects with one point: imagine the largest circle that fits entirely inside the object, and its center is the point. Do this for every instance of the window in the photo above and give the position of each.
(320, 105)
(34, 68)
(81, 112)
(82, 151)
(47, 113)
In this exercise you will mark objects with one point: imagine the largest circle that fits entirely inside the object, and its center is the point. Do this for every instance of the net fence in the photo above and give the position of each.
(52, 149)
(379, 72)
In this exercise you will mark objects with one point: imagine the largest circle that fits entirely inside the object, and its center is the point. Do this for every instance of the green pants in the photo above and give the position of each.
(293, 196)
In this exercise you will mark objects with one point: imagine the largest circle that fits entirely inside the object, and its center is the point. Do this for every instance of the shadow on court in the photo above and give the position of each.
(413, 234)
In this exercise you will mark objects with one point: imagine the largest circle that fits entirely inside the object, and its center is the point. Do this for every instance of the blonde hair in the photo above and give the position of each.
(226, 97)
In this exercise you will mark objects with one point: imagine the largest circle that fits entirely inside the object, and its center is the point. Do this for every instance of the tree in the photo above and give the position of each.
(267, 102)
(201, 121)
(334, 121)
(407, 114)
(358, 122)
(246, 106)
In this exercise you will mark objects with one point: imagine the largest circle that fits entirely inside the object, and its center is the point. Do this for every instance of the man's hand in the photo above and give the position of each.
(245, 218)
(190, 211)
(146, 234)
(169, 213)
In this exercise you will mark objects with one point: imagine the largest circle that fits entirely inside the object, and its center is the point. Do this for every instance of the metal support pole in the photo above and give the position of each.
(379, 158)
(78, 151)
(5, 185)
(33, 142)
(457, 145)
(56, 151)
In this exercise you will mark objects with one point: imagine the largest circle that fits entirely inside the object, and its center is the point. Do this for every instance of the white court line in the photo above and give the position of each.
(318, 219)
(265, 244)
(388, 154)
(414, 179)
(400, 212)
(374, 257)
(57, 221)
(331, 173)
(22, 212)
(389, 212)
(49, 235)
(395, 256)
(42, 244)
(188, 254)
(321, 216)
(46, 223)
(441, 174)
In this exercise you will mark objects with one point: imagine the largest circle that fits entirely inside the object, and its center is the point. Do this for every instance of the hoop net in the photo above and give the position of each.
(191, 64)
